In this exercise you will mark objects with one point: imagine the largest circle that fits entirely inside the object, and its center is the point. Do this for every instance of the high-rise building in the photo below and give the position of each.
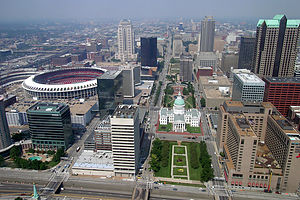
(207, 59)
(284, 143)
(110, 91)
(137, 74)
(50, 125)
(125, 137)
(128, 81)
(282, 92)
(186, 68)
(207, 34)
(125, 41)
(247, 87)
(269, 161)
(149, 51)
(177, 46)
(276, 46)
(5, 140)
(255, 113)
(246, 53)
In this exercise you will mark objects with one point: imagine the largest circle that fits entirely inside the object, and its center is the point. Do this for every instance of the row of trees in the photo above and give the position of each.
(205, 161)
(169, 90)
(203, 102)
(160, 154)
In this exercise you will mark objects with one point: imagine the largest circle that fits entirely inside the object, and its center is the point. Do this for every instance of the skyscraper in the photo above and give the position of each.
(128, 81)
(149, 51)
(50, 125)
(186, 68)
(5, 140)
(177, 46)
(110, 91)
(276, 46)
(125, 41)
(246, 53)
(207, 34)
(125, 138)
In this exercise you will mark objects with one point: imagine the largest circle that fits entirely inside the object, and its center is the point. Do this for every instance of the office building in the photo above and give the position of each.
(246, 53)
(186, 68)
(128, 81)
(269, 160)
(125, 137)
(5, 140)
(255, 113)
(207, 59)
(276, 46)
(229, 61)
(282, 92)
(50, 125)
(125, 41)
(247, 87)
(149, 51)
(207, 34)
(284, 143)
(137, 74)
(110, 92)
(177, 46)
(103, 136)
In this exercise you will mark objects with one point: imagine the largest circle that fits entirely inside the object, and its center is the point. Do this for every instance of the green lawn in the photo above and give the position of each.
(166, 171)
(193, 129)
(166, 128)
(168, 100)
(179, 160)
(189, 102)
(186, 184)
(179, 171)
(179, 150)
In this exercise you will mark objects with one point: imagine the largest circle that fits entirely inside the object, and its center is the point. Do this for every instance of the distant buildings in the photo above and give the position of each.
(125, 137)
(207, 34)
(125, 41)
(110, 91)
(186, 68)
(50, 125)
(149, 51)
(246, 54)
(177, 46)
(276, 46)
(61, 60)
(282, 93)
(207, 59)
(260, 147)
(5, 140)
(247, 87)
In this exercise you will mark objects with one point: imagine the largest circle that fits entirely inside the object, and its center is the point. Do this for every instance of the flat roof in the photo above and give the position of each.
(242, 125)
(100, 160)
(212, 92)
(47, 107)
(216, 80)
(82, 108)
(109, 75)
(283, 79)
(285, 126)
(249, 78)
(125, 111)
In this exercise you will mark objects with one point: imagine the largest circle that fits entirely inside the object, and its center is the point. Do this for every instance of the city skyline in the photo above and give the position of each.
(93, 10)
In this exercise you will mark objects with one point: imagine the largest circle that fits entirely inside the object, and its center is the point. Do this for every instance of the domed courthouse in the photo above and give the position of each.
(178, 116)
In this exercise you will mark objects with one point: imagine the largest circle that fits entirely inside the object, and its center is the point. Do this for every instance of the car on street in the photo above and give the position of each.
(175, 189)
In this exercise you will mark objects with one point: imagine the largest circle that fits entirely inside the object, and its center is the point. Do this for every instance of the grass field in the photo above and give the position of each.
(179, 150)
(193, 129)
(166, 128)
(194, 173)
(179, 171)
(179, 160)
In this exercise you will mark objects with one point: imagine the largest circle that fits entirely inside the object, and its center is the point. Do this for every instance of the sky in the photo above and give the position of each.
(27, 10)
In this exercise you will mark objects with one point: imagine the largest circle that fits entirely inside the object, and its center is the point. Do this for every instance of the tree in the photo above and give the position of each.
(2, 161)
(18, 198)
(185, 91)
(165, 154)
(203, 102)
(31, 150)
(15, 152)
(194, 156)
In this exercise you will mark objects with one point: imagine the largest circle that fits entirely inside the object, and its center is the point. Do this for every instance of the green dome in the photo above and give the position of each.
(179, 102)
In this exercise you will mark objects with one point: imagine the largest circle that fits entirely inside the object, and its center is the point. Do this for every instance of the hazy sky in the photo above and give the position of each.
(12, 10)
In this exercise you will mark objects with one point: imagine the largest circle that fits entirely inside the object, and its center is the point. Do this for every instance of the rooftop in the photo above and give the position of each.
(124, 111)
(82, 108)
(217, 80)
(47, 107)
(249, 78)
(283, 79)
(242, 125)
(274, 23)
(264, 157)
(110, 75)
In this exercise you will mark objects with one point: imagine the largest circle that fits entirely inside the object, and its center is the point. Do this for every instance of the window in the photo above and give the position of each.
(242, 141)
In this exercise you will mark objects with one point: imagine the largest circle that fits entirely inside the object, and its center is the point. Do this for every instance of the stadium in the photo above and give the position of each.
(63, 84)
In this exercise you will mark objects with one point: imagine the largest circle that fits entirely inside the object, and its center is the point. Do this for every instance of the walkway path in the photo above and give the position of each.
(186, 166)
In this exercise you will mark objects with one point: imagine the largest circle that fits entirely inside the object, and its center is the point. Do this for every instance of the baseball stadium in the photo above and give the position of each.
(64, 83)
